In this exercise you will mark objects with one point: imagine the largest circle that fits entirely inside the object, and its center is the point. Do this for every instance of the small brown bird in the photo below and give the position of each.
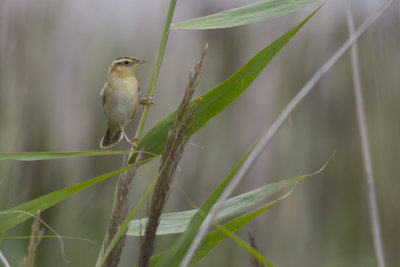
(120, 99)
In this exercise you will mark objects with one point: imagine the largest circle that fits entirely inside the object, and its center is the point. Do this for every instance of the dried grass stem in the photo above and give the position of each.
(176, 140)
(36, 237)
(119, 213)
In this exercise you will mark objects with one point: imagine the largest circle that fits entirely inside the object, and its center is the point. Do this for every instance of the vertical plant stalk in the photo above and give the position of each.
(253, 260)
(362, 127)
(36, 236)
(277, 124)
(119, 213)
(124, 226)
(139, 131)
(175, 144)
(156, 69)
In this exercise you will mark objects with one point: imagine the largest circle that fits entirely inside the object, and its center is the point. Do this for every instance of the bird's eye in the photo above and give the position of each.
(126, 62)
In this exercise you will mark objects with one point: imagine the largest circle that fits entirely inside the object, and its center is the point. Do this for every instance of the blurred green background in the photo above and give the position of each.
(54, 58)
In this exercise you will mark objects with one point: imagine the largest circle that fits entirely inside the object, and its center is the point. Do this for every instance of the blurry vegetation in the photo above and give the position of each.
(53, 62)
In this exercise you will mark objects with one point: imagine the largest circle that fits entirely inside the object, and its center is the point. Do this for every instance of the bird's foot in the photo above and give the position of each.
(146, 101)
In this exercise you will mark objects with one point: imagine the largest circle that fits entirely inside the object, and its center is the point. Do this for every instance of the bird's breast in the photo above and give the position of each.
(120, 100)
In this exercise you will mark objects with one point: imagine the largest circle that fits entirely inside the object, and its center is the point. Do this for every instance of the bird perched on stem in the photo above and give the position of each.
(120, 99)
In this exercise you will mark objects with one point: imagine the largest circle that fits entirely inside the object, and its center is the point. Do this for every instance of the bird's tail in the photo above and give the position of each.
(111, 138)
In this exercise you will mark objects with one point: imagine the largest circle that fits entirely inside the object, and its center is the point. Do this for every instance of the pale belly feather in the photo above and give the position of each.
(120, 104)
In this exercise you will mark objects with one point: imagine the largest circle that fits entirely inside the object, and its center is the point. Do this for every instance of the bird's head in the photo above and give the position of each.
(124, 66)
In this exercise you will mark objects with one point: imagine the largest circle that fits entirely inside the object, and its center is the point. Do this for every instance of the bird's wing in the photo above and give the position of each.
(139, 88)
(104, 91)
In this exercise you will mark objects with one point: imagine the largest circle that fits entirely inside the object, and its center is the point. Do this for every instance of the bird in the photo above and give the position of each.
(120, 99)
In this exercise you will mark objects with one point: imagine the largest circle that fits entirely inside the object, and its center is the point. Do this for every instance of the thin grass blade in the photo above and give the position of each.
(18, 214)
(215, 237)
(175, 254)
(257, 255)
(32, 156)
(177, 222)
(247, 14)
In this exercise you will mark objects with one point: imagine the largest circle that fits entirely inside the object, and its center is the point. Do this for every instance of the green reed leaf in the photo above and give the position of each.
(216, 100)
(247, 14)
(32, 156)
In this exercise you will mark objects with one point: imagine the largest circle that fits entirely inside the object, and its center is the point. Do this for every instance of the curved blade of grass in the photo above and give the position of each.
(216, 100)
(178, 249)
(177, 222)
(52, 236)
(257, 255)
(247, 14)
(214, 238)
(32, 156)
(18, 214)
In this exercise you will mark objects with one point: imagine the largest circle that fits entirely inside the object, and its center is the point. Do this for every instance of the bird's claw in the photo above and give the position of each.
(146, 101)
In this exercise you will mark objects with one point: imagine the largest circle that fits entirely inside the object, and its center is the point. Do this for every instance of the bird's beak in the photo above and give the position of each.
(141, 61)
